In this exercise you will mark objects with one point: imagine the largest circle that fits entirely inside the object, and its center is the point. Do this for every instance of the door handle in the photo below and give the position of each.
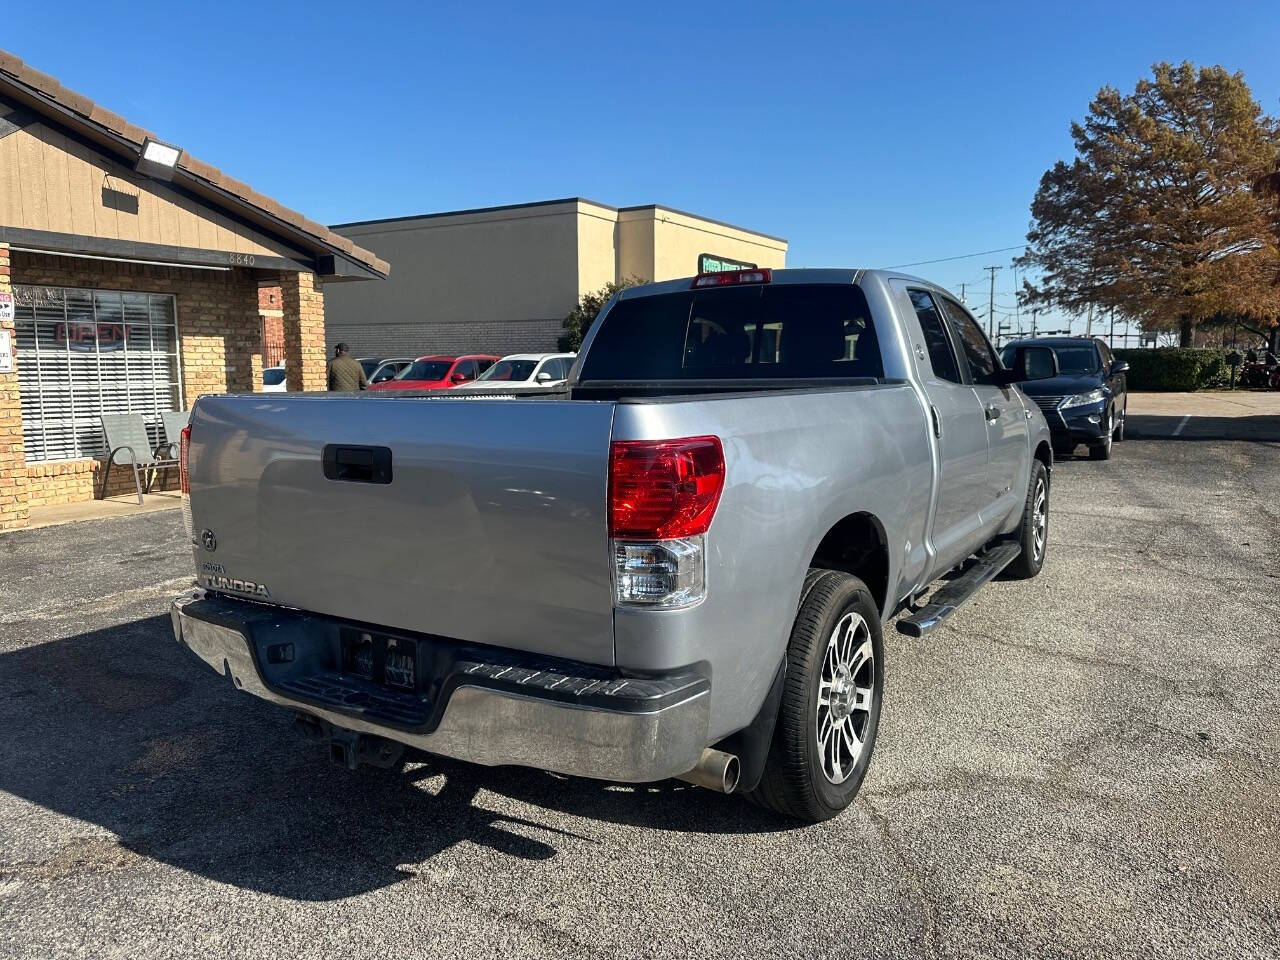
(356, 464)
(993, 413)
(937, 421)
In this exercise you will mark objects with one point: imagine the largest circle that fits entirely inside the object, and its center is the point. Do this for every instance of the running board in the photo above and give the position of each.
(954, 594)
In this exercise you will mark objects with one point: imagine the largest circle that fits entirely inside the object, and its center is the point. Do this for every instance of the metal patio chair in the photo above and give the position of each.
(174, 421)
(127, 433)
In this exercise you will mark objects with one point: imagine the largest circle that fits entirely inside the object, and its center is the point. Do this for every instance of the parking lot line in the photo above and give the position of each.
(1181, 423)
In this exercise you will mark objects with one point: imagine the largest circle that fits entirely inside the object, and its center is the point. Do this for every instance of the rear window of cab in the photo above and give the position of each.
(759, 331)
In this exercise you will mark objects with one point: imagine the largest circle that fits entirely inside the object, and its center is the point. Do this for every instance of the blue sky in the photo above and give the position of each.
(866, 134)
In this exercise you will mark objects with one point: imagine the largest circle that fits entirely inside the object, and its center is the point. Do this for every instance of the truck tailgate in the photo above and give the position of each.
(493, 528)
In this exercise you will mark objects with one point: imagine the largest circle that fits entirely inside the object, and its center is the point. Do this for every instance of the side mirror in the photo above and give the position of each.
(543, 377)
(1120, 366)
(458, 377)
(1030, 363)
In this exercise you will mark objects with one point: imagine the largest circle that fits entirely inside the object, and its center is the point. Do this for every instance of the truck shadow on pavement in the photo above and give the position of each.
(123, 728)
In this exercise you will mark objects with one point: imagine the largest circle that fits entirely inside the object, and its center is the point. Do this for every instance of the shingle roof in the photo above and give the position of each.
(118, 126)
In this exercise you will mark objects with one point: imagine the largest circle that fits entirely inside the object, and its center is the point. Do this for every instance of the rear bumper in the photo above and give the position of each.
(478, 704)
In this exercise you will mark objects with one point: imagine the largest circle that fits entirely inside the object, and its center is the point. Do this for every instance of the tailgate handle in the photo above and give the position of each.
(357, 464)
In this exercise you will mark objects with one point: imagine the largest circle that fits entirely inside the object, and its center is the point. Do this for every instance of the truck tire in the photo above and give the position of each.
(830, 707)
(1033, 529)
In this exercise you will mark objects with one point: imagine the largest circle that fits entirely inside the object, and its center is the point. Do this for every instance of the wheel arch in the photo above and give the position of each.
(857, 544)
(1044, 453)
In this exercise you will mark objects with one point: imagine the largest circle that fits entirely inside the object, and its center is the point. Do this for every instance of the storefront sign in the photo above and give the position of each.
(6, 307)
(6, 352)
(710, 263)
(80, 336)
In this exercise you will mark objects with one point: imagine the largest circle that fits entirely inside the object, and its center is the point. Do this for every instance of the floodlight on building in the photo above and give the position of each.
(158, 159)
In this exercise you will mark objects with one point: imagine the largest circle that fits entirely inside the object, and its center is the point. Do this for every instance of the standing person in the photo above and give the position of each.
(345, 373)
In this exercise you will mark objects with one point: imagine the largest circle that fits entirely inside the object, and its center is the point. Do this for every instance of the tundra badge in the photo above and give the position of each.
(236, 585)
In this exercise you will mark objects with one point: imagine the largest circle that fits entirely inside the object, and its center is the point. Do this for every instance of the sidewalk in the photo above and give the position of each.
(1218, 415)
(1218, 403)
(122, 506)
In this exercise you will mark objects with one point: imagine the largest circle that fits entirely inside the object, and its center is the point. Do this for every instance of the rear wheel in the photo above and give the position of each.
(1033, 531)
(830, 706)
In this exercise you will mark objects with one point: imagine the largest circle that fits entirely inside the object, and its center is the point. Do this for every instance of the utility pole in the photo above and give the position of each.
(991, 304)
(1088, 324)
(1017, 296)
(1113, 328)
(1035, 312)
(962, 299)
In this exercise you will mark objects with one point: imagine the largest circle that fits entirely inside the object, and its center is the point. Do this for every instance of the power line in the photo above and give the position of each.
(963, 256)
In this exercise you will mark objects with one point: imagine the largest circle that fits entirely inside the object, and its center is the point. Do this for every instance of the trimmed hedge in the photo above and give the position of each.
(1175, 368)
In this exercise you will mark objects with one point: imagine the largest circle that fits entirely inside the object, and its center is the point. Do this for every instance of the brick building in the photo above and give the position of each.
(134, 278)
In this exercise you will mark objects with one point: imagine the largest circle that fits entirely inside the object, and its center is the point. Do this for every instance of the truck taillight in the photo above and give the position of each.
(184, 445)
(662, 497)
(664, 489)
(184, 481)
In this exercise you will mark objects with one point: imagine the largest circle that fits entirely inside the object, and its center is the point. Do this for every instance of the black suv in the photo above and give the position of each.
(1087, 401)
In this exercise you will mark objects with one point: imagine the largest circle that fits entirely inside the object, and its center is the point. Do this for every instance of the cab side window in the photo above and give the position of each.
(468, 370)
(973, 342)
(941, 354)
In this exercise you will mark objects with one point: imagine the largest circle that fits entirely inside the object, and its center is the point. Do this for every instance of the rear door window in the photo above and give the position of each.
(942, 355)
(973, 342)
(796, 331)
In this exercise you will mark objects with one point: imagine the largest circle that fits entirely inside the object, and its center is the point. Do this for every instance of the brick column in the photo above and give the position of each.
(13, 461)
(302, 303)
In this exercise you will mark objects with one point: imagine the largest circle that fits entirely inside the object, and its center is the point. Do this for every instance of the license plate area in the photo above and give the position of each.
(390, 662)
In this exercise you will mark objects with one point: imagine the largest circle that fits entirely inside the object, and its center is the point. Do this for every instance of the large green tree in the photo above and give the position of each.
(1159, 216)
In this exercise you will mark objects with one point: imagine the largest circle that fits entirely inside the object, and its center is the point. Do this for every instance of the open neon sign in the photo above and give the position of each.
(87, 336)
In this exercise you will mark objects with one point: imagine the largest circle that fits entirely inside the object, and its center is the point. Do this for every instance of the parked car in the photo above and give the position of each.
(680, 568)
(525, 371)
(438, 372)
(369, 365)
(1088, 401)
(388, 369)
(273, 380)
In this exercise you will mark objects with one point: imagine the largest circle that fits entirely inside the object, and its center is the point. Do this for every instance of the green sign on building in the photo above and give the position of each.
(710, 263)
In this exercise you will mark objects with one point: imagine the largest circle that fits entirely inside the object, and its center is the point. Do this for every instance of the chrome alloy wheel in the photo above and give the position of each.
(844, 697)
(1039, 520)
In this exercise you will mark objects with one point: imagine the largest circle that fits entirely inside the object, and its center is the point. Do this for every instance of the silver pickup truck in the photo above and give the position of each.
(675, 565)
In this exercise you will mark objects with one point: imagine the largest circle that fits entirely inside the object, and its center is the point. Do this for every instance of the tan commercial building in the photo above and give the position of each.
(501, 279)
(130, 276)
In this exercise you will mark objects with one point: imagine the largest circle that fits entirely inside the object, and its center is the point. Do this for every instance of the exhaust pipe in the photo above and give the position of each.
(716, 770)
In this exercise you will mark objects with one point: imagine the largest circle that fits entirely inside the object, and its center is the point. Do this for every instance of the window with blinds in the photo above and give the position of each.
(83, 353)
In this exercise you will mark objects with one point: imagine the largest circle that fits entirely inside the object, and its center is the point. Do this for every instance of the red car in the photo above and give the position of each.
(438, 372)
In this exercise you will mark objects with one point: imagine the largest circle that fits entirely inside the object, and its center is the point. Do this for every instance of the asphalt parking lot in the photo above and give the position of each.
(1081, 765)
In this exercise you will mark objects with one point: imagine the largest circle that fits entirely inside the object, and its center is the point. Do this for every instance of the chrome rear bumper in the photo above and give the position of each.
(482, 724)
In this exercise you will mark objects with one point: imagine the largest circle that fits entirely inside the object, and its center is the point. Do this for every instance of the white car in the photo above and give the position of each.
(524, 371)
(273, 380)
